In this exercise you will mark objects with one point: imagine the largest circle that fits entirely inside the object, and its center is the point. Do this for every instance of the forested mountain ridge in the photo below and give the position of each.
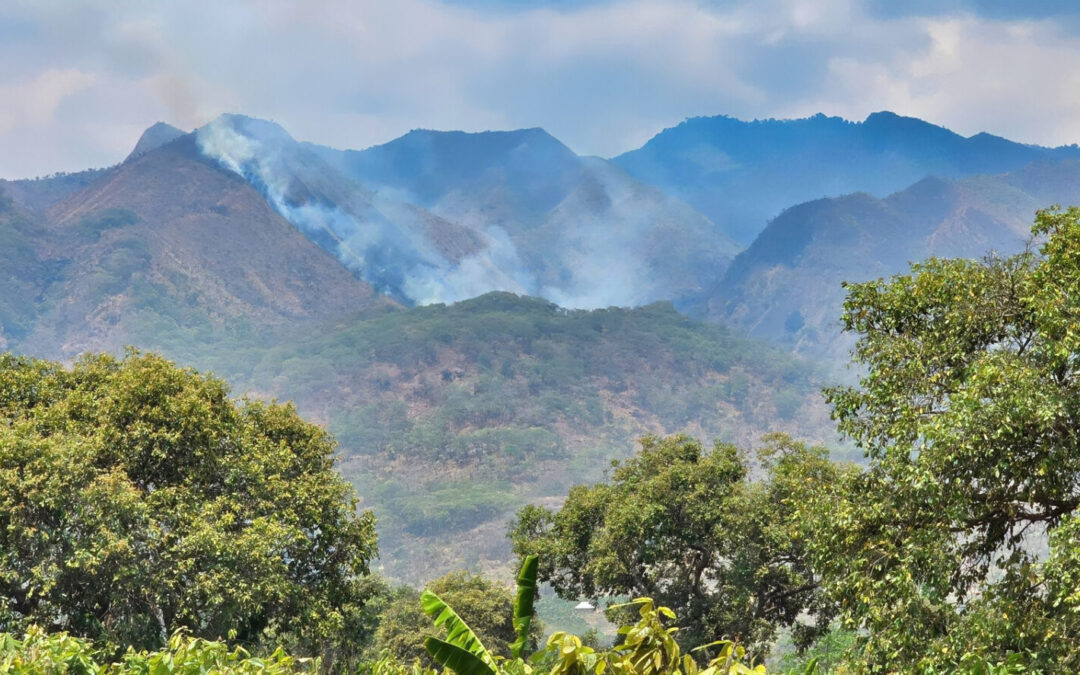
(450, 417)
(742, 174)
(251, 262)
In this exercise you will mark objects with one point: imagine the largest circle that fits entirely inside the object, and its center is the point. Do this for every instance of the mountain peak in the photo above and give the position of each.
(433, 162)
(907, 129)
(742, 174)
(884, 116)
(154, 137)
(251, 127)
(487, 142)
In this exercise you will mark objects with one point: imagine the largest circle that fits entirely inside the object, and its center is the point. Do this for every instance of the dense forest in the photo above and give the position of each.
(151, 523)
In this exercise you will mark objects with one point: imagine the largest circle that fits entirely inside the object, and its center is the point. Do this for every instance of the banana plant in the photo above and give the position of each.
(462, 651)
(523, 605)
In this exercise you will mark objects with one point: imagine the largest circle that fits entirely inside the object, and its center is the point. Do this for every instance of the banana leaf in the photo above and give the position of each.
(523, 604)
(455, 658)
(458, 633)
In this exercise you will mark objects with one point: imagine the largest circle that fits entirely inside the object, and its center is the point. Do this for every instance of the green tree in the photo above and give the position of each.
(688, 527)
(959, 544)
(137, 498)
(485, 606)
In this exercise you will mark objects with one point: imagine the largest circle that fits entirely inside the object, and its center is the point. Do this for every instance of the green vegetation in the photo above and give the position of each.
(94, 225)
(452, 417)
(449, 418)
(511, 366)
(960, 543)
(647, 647)
(486, 606)
(137, 498)
(40, 653)
(24, 274)
(139, 502)
(689, 527)
(956, 548)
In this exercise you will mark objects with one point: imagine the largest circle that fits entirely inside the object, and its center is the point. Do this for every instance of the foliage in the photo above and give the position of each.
(137, 498)
(648, 647)
(514, 398)
(488, 609)
(461, 648)
(25, 275)
(524, 604)
(512, 366)
(456, 416)
(462, 651)
(828, 653)
(690, 528)
(41, 653)
(94, 225)
(957, 547)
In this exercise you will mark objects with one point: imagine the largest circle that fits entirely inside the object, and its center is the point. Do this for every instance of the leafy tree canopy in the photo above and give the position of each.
(961, 541)
(137, 498)
(688, 526)
(486, 606)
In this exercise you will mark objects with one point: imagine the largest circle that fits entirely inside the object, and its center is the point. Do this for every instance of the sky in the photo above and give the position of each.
(81, 79)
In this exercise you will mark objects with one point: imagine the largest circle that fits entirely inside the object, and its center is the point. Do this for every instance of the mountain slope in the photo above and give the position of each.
(786, 287)
(452, 417)
(25, 275)
(36, 195)
(168, 244)
(742, 174)
(443, 216)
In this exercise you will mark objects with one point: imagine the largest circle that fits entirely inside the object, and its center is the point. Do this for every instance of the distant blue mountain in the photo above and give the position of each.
(787, 286)
(742, 174)
(444, 216)
(534, 164)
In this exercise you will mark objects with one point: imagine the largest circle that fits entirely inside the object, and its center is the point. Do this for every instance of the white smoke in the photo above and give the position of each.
(611, 241)
(395, 258)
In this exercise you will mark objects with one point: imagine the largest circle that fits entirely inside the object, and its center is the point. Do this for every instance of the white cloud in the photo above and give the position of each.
(1016, 79)
(33, 103)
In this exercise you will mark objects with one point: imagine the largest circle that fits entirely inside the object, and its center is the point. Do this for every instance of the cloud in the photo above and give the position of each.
(88, 75)
(1018, 79)
(34, 103)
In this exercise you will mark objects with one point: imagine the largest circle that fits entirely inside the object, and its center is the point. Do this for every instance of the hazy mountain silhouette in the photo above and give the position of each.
(786, 287)
(742, 174)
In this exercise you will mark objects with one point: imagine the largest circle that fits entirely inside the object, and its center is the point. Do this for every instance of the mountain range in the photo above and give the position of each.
(743, 174)
(787, 286)
(484, 319)
(445, 216)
